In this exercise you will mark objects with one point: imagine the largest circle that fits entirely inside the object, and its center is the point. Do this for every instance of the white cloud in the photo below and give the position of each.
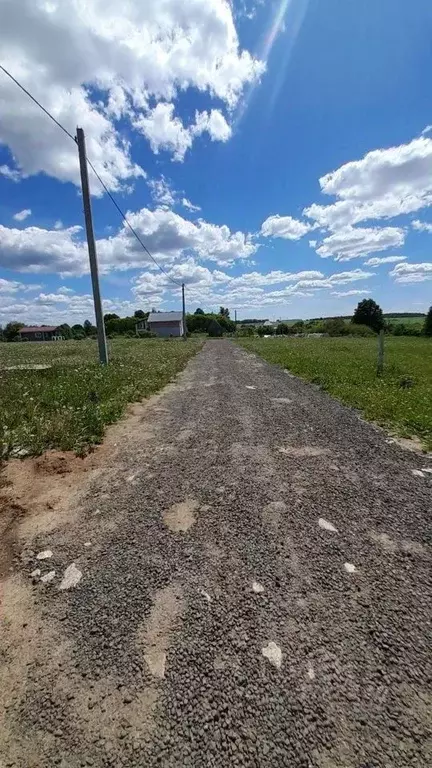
(166, 131)
(376, 260)
(22, 215)
(206, 287)
(189, 206)
(354, 292)
(9, 286)
(132, 54)
(40, 250)
(168, 236)
(213, 288)
(284, 226)
(57, 308)
(351, 242)
(421, 226)
(12, 286)
(58, 224)
(383, 184)
(11, 173)
(412, 273)
(162, 191)
(213, 123)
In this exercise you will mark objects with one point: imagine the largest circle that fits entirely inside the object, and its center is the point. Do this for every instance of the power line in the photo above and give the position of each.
(126, 221)
(38, 103)
(123, 215)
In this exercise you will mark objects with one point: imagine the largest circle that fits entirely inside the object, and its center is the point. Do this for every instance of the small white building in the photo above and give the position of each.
(163, 324)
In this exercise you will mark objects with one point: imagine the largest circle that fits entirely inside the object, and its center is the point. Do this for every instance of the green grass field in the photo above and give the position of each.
(69, 404)
(346, 368)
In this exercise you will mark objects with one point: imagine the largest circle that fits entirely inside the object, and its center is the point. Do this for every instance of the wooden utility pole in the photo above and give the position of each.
(103, 351)
(184, 312)
(380, 366)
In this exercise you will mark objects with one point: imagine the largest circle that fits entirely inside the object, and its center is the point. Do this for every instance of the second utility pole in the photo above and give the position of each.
(103, 351)
(184, 313)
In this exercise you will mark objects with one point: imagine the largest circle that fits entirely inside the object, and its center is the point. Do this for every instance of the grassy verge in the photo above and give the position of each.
(69, 404)
(346, 368)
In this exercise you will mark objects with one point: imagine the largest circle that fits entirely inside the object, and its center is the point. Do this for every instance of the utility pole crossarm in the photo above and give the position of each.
(103, 351)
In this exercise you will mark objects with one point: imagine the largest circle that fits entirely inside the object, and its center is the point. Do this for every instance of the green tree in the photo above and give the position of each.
(89, 329)
(427, 328)
(282, 329)
(140, 314)
(111, 316)
(224, 312)
(65, 330)
(2, 338)
(214, 328)
(11, 332)
(199, 311)
(369, 313)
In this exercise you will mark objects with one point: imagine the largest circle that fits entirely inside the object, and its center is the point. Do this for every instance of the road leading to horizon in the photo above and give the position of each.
(255, 591)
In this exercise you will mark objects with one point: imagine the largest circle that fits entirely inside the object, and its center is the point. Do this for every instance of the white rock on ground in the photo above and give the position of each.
(326, 525)
(71, 577)
(273, 653)
(44, 555)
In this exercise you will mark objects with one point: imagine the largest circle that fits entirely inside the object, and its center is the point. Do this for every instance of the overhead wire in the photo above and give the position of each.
(90, 164)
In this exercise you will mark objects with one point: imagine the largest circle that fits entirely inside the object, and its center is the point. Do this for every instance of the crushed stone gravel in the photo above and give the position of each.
(165, 656)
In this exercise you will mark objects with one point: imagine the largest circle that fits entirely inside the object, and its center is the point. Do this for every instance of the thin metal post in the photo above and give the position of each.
(235, 316)
(380, 366)
(184, 312)
(103, 351)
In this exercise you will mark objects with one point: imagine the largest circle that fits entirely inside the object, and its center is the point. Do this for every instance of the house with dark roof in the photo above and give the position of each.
(163, 324)
(40, 333)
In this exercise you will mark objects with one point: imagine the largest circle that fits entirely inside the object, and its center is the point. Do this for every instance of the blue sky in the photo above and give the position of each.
(274, 156)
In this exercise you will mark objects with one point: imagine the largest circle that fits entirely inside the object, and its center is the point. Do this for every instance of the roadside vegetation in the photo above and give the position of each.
(400, 399)
(68, 404)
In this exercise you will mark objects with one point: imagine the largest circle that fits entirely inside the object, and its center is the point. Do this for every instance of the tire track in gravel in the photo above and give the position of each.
(256, 591)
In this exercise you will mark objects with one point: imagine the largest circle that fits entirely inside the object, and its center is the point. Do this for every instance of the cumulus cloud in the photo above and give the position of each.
(57, 308)
(421, 226)
(284, 226)
(132, 54)
(376, 261)
(351, 242)
(252, 289)
(9, 286)
(166, 131)
(168, 236)
(13, 174)
(354, 292)
(385, 183)
(22, 215)
(412, 273)
(40, 250)
(162, 191)
(190, 206)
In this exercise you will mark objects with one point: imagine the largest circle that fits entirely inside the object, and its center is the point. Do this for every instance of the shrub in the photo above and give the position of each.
(146, 335)
(355, 329)
(245, 330)
(214, 329)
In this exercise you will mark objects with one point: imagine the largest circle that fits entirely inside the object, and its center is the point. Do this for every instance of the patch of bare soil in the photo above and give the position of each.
(84, 714)
(39, 494)
(154, 636)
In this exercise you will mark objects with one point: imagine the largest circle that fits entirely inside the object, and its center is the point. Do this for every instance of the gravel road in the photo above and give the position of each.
(250, 587)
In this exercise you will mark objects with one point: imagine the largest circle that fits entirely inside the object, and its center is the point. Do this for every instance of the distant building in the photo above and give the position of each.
(40, 333)
(162, 324)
